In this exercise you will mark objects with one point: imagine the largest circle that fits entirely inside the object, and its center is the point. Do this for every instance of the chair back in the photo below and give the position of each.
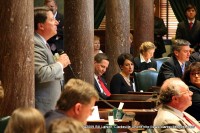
(3, 123)
(145, 79)
(160, 61)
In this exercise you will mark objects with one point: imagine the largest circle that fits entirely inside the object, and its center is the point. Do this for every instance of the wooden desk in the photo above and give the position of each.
(144, 116)
(128, 104)
(132, 97)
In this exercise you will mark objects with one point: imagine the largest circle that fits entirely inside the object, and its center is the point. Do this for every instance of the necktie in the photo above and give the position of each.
(191, 122)
(190, 25)
(103, 86)
(183, 67)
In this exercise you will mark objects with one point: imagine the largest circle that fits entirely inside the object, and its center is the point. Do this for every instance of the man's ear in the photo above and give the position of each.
(41, 26)
(176, 53)
(77, 108)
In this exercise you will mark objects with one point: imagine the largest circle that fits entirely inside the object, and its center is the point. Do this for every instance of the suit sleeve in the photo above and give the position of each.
(179, 32)
(115, 84)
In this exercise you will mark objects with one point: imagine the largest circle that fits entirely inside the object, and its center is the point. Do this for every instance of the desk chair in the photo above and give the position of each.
(159, 62)
(3, 123)
(145, 79)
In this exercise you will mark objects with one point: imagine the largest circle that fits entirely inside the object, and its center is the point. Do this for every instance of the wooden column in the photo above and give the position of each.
(117, 33)
(79, 36)
(143, 23)
(16, 55)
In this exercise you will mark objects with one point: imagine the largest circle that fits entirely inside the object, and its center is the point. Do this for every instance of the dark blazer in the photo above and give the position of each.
(51, 116)
(170, 68)
(159, 31)
(58, 38)
(194, 109)
(193, 35)
(119, 86)
(138, 66)
(195, 57)
(102, 95)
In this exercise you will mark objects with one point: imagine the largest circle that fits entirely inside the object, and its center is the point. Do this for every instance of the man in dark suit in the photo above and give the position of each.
(56, 42)
(176, 64)
(48, 71)
(101, 63)
(189, 29)
(159, 31)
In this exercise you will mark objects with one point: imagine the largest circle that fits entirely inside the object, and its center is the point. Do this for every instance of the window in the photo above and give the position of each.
(172, 21)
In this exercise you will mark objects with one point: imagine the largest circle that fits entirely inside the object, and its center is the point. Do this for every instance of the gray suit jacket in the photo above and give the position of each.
(167, 117)
(48, 76)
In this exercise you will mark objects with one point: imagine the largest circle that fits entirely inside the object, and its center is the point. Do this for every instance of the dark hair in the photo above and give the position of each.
(195, 66)
(178, 43)
(125, 56)
(40, 15)
(100, 56)
(190, 6)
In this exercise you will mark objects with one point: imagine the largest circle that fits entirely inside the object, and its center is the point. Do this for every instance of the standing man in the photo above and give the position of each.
(48, 72)
(159, 31)
(176, 64)
(190, 29)
(56, 42)
(175, 98)
(101, 63)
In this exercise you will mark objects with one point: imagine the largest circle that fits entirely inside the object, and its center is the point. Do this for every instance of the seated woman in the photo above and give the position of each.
(144, 61)
(120, 82)
(192, 79)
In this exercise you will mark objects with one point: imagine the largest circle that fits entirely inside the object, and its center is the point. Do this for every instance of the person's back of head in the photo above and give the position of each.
(67, 125)
(76, 91)
(26, 120)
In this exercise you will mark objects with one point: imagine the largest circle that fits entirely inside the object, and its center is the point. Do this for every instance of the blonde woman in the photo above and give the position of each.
(26, 120)
(97, 45)
(67, 125)
(144, 61)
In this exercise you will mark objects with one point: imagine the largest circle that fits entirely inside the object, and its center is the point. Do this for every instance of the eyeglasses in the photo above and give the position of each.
(186, 92)
(195, 73)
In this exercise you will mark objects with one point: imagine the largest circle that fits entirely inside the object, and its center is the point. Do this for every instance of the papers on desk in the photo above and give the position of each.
(95, 114)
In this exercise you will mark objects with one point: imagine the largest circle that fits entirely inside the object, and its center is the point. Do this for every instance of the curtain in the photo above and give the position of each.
(99, 12)
(178, 6)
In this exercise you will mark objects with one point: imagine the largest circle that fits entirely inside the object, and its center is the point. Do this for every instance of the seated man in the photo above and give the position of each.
(101, 63)
(76, 101)
(175, 98)
(176, 64)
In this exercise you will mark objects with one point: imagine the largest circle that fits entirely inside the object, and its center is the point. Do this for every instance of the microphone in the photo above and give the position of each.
(60, 52)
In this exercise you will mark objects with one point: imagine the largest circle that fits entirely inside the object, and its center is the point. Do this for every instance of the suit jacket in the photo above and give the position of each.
(102, 95)
(170, 68)
(194, 109)
(53, 115)
(195, 57)
(167, 117)
(58, 38)
(183, 32)
(159, 31)
(138, 66)
(48, 76)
